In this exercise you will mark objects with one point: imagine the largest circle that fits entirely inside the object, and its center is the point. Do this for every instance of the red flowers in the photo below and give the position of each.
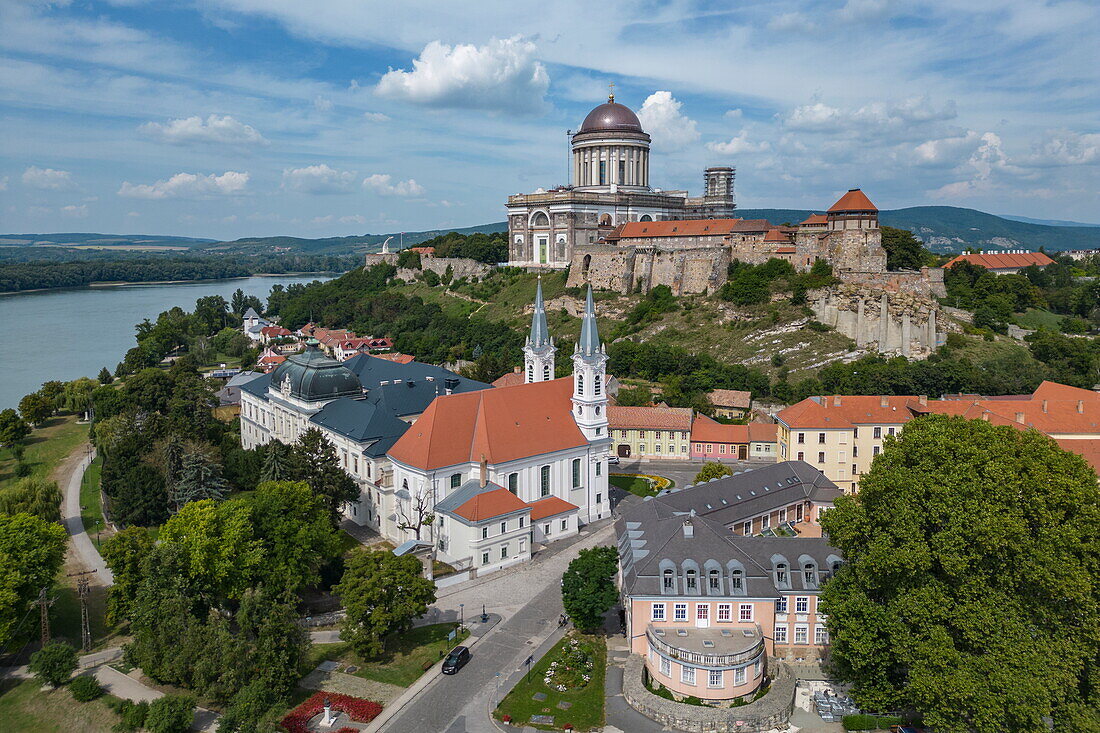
(359, 710)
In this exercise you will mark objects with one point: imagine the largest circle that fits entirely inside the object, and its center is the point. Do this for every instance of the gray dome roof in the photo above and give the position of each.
(611, 116)
(312, 376)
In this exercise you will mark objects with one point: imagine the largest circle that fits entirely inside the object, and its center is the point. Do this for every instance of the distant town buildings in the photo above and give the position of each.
(1006, 262)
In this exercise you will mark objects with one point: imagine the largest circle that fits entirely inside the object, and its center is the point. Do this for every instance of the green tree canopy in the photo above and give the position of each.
(903, 250)
(12, 427)
(221, 553)
(32, 495)
(588, 586)
(712, 469)
(199, 477)
(170, 714)
(382, 594)
(31, 552)
(35, 407)
(313, 460)
(971, 590)
(293, 526)
(54, 663)
(125, 553)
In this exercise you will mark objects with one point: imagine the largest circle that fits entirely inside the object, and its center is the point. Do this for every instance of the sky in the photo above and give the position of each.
(235, 118)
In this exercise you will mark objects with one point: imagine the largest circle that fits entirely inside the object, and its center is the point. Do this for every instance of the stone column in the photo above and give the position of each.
(861, 337)
(883, 322)
(906, 334)
(932, 330)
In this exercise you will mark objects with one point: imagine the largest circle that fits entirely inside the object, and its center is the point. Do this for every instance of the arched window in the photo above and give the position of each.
(605, 219)
(781, 574)
(646, 217)
(714, 579)
(669, 579)
(736, 580)
(691, 580)
(585, 264)
(540, 219)
(580, 384)
(405, 484)
(809, 574)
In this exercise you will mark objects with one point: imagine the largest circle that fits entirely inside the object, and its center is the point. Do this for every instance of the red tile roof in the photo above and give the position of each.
(495, 503)
(730, 398)
(511, 379)
(549, 507)
(396, 356)
(649, 418)
(273, 331)
(502, 424)
(678, 228)
(814, 219)
(854, 200)
(1089, 449)
(705, 430)
(774, 235)
(825, 412)
(1006, 261)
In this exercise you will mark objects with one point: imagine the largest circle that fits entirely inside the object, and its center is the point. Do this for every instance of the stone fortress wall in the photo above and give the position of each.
(460, 266)
(904, 323)
(639, 269)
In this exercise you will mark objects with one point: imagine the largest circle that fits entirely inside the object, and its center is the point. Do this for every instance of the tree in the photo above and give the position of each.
(293, 525)
(417, 514)
(275, 466)
(237, 302)
(12, 427)
(77, 395)
(150, 389)
(31, 553)
(199, 478)
(903, 250)
(220, 552)
(125, 553)
(382, 594)
(105, 376)
(588, 586)
(970, 590)
(54, 663)
(255, 709)
(314, 461)
(408, 258)
(170, 714)
(35, 408)
(32, 495)
(712, 469)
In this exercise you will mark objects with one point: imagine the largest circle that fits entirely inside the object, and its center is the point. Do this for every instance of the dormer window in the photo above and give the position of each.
(669, 580)
(714, 579)
(781, 574)
(736, 580)
(692, 581)
(809, 574)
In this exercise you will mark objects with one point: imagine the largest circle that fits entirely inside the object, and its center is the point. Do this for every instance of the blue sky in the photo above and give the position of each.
(233, 118)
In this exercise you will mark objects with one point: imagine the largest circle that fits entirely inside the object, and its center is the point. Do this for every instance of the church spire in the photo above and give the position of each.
(540, 333)
(538, 352)
(589, 342)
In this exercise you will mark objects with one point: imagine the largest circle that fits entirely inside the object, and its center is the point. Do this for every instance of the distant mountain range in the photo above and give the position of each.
(941, 228)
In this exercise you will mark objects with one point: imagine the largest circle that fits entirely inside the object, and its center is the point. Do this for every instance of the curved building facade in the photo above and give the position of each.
(609, 186)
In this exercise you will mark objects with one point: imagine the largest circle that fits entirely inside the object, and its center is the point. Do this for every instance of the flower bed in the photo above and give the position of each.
(573, 670)
(359, 710)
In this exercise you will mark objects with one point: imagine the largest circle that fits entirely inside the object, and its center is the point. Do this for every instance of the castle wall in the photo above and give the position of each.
(460, 266)
(640, 269)
(900, 323)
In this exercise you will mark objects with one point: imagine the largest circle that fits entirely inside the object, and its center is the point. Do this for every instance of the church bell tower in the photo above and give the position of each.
(589, 383)
(538, 351)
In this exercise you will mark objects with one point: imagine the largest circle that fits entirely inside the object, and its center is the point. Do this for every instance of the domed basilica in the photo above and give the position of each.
(609, 186)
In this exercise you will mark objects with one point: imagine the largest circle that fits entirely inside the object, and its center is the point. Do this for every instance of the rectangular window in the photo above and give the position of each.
(781, 604)
(878, 433)
(544, 481)
(714, 678)
(801, 438)
(739, 676)
(484, 533)
(546, 528)
(765, 521)
(801, 604)
(725, 611)
(657, 447)
(744, 612)
(782, 516)
(889, 431)
(855, 451)
(666, 667)
(680, 612)
(841, 457)
(503, 552)
(657, 434)
(722, 448)
(599, 468)
(576, 472)
(641, 447)
(687, 675)
(456, 480)
(821, 457)
(746, 528)
(801, 456)
(781, 633)
(521, 522)
(821, 635)
(684, 448)
(658, 612)
(503, 527)
(821, 437)
(710, 447)
(485, 558)
(513, 483)
(599, 498)
(876, 450)
(564, 524)
(801, 634)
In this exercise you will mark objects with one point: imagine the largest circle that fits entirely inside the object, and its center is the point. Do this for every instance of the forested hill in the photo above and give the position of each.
(342, 245)
(953, 229)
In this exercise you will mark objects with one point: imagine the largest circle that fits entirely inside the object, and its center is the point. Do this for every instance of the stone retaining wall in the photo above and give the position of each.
(771, 711)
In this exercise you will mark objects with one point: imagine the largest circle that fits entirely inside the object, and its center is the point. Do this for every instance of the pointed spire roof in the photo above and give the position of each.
(589, 342)
(540, 332)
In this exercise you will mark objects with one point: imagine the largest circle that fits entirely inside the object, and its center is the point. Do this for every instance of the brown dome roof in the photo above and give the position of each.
(611, 116)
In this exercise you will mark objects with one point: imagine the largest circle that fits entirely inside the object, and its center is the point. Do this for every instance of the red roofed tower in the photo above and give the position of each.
(853, 211)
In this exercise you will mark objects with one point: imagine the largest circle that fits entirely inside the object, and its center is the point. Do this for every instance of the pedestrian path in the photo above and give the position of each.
(86, 553)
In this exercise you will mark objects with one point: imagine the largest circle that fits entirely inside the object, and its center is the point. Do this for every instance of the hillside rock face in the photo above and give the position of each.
(904, 323)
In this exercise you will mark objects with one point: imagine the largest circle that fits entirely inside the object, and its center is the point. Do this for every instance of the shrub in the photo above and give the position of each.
(818, 326)
(359, 710)
(171, 714)
(85, 688)
(132, 715)
(860, 722)
(54, 663)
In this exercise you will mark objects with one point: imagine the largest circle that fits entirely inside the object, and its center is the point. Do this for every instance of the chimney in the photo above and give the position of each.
(484, 471)
(985, 416)
(1044, 405)
(884, 401)
(1019, 417)
(1081, 406)
(836, 400)
(449, 384)
(689, 529)
(923, 399)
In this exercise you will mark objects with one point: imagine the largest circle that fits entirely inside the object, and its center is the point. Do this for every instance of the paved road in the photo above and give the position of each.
(681, 471)
(83, 547)
(529, 601)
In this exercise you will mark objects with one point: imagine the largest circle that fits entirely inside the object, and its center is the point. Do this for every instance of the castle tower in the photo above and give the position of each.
(589, 371)
(852, 211)
(538, 352)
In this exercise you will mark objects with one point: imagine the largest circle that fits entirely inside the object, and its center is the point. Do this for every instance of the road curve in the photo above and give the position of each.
(83, 546)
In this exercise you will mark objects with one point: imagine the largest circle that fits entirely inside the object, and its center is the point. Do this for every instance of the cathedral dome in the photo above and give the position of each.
(611, 117)
(312, 376)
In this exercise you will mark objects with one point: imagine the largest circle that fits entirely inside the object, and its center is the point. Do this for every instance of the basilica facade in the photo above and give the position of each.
(610, 186)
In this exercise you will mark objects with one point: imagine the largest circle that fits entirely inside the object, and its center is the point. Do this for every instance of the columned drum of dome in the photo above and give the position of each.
(311, 376)
(611, 150)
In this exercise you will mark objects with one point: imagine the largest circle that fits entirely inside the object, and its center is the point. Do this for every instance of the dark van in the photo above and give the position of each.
(456, 660)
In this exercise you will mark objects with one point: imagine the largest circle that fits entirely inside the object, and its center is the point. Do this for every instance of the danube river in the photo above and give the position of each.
(65, 334)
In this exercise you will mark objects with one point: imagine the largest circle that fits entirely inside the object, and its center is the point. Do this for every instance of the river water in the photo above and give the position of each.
(65, 334)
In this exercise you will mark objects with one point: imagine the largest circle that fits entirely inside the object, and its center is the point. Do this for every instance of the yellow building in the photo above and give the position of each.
(650, 432)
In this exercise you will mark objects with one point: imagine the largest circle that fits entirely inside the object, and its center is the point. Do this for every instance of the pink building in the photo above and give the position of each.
(716, 578)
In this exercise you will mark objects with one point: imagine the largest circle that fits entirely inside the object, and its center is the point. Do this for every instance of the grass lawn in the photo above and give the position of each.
(1035, 318)
(90, 509)
(46, 447)
(25, 708)
(587, 710)
(65, 613)
(639, 484)
(403, 661)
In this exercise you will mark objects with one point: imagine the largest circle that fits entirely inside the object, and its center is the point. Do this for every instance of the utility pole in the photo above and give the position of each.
(83, 590)
(44, 604)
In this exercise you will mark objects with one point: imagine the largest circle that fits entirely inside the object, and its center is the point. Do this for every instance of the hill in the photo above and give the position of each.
(953, 229)
(88, 240)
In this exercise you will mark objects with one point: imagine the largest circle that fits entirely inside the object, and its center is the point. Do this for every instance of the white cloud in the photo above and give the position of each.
(188, 185)
(661, 117)
(75, 211)
(899, 119)
(986, 166)
(322, 104)
(739, 144)
(947, 152)
(222, 129)
(47, 178)
(815, 117)
(375, 117)
(354, 219)
(382, 183)
(501, 75)
(318, 179)
(734, 114)
(1065, 148)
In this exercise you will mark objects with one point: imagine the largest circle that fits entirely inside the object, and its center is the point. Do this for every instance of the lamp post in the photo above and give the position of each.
(484, 616)
(461, 616)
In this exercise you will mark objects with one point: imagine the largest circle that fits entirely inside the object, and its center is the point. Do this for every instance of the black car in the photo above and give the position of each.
(456, 660)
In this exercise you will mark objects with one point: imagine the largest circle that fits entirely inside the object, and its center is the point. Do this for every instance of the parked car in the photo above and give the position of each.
(456, 660)
(613, 460)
